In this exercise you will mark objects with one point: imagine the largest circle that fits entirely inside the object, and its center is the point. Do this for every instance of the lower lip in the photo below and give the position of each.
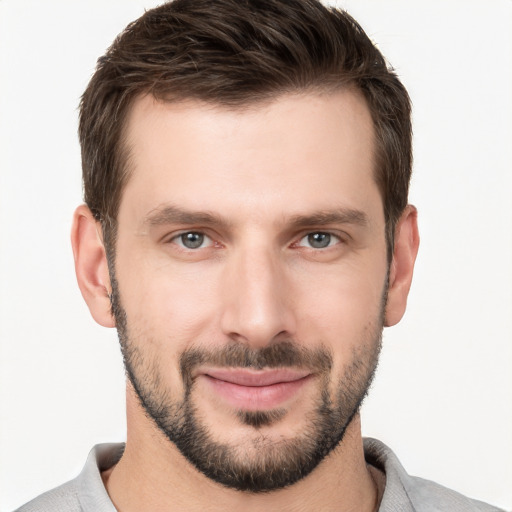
(254, 398)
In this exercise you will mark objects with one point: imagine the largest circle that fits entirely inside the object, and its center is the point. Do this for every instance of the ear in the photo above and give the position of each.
(91, 265)
(407, 241)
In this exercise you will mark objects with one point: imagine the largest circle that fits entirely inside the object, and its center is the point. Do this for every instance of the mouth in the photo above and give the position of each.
(255, 390)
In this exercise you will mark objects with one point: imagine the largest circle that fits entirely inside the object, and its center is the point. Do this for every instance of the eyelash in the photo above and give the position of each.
(178, 240)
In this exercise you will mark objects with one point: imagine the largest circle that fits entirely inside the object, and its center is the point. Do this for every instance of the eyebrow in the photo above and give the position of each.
(337, 216)
(171, 214)
(174, 215)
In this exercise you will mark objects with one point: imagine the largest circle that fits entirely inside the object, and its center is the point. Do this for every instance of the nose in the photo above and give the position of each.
(257, 299)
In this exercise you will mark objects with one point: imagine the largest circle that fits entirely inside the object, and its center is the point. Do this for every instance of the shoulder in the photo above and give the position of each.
(412, 494)
(61, 499)
(428, 496)
(86, 493)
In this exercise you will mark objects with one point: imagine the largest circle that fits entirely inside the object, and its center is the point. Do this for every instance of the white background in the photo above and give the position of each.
(443, 396)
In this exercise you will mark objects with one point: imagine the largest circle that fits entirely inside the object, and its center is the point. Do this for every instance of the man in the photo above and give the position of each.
(246, 230)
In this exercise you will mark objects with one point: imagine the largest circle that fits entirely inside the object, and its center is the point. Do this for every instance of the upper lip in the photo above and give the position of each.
(255, 378)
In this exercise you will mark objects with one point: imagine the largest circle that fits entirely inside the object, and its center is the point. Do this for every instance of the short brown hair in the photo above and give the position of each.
(234, 53)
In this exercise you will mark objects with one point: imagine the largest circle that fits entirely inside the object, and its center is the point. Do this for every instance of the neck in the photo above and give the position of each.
(152, 475)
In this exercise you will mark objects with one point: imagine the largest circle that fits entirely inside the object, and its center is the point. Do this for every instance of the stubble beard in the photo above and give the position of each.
(259, 464)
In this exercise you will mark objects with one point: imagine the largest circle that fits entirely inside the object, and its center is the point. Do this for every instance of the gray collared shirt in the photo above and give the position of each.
(403, 493)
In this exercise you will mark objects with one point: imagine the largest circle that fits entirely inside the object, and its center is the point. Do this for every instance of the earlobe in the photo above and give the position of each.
(400, 274)
(91, 265)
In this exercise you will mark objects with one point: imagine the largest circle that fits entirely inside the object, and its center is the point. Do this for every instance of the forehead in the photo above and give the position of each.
(293, 151)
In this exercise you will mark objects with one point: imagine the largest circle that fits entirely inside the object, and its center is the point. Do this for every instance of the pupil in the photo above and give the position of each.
(319, 240)
(192, 240)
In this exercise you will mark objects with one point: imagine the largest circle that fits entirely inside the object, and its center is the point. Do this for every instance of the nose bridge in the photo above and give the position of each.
(257, 308)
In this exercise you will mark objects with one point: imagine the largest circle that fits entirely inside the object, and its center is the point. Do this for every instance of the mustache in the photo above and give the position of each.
(279, 355)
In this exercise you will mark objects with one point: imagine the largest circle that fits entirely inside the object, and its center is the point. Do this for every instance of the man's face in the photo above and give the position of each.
(251, 278)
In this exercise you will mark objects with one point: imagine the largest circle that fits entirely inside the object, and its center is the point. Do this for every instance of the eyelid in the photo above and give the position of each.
(171, 234)
(175, 237)
(340, 236)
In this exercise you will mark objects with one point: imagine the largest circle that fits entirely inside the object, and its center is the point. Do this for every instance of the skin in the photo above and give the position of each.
(255, 281)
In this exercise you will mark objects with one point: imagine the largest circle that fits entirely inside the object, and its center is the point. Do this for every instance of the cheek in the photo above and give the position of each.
(167, 311)
(343, 309)
(169, 304)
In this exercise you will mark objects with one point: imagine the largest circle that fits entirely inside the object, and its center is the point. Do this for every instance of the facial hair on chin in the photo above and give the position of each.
(259, 464)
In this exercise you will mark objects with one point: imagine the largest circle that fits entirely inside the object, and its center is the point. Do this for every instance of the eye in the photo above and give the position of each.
(192, 240)
(319, 240)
